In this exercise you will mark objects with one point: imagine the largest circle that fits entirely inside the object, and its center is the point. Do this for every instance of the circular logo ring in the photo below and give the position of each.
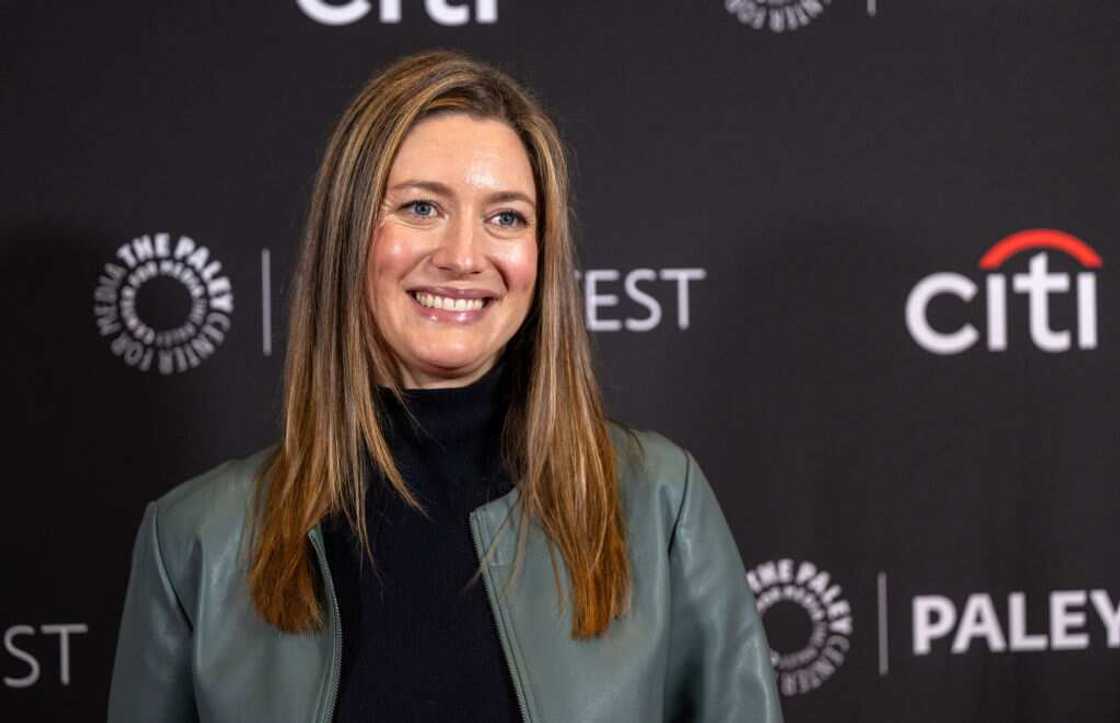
(185, 345)
(777, 15)
(803, 584)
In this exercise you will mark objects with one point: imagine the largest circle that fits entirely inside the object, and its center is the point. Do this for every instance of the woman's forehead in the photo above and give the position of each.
(459, 150)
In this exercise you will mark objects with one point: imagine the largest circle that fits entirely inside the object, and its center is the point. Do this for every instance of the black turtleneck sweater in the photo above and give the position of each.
(415, 645)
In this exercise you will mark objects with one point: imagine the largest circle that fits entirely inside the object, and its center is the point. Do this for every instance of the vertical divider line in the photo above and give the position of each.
(881, 581)
(266, 302)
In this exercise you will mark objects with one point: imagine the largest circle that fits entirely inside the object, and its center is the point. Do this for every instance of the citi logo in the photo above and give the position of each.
(443, 12)
(1038, 285)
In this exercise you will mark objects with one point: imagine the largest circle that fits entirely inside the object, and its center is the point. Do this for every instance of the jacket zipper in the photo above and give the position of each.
(336, 651)
(500, 624)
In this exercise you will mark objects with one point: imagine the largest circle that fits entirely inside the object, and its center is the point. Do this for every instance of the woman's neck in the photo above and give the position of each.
(449, 415)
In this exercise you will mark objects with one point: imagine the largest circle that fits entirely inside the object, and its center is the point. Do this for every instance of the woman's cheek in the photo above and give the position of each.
(395, 246)
(521, 266)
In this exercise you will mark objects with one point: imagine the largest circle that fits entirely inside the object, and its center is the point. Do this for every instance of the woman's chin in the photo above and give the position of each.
(447, 371)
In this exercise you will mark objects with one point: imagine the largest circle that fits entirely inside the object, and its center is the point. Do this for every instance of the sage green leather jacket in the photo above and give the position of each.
(691, 648)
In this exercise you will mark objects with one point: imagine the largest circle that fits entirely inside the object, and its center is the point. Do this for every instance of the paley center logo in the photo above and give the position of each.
(777, 15)
(1038, 285)
(168, 278)
(808, 622)
(443, 12)
(980, 620)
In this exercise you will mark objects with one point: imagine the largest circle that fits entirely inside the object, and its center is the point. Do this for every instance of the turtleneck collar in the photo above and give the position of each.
(450, 415)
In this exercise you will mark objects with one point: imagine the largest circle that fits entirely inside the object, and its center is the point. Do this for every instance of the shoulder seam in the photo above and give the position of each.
(163, 571)
(684, 498)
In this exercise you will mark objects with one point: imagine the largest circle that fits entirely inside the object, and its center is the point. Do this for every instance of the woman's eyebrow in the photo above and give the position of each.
(435, 187)
(511, 196)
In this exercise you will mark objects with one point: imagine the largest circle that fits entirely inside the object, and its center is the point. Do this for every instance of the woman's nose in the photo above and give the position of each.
(460, 248)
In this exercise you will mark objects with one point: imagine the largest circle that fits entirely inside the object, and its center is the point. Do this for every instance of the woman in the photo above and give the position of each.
(394, 557)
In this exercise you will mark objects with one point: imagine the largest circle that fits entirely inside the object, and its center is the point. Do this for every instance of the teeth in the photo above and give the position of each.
(446, 303)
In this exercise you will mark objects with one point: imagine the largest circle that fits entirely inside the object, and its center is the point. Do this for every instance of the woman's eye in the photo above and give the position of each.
(509, 219)
(423, 209)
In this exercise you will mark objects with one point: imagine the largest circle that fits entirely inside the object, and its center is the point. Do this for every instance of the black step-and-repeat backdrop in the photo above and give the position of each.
(856, 255)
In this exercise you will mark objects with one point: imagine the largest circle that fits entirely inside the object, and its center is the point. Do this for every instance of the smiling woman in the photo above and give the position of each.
(454, 260)
(449, 528)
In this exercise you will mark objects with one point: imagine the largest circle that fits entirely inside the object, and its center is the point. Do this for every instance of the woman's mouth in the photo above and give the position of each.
(451, 309)
(447, 303)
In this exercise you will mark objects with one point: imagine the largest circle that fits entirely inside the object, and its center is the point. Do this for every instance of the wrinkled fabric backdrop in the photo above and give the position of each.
(857, 256)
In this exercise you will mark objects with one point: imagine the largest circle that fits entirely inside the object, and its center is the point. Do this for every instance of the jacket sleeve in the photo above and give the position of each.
(151, 672)
(719, 660)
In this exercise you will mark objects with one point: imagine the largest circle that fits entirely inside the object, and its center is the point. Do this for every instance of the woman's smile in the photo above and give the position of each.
(458, 307)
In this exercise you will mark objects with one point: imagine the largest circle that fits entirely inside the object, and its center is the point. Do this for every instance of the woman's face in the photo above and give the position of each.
(454, 257)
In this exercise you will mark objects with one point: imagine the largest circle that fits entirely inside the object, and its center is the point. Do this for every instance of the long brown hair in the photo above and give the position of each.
(555, 440)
